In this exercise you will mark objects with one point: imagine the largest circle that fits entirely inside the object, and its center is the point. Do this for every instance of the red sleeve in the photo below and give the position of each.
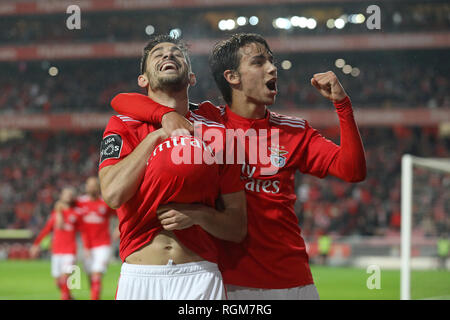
(46, 230)
(349, 164)
(139, 107)
(116, 143)
(317, 154)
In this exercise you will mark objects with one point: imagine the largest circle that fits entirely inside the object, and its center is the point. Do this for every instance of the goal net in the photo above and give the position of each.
(425, 224)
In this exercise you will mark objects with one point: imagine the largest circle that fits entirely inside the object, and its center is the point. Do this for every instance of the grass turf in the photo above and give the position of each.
(31, 280)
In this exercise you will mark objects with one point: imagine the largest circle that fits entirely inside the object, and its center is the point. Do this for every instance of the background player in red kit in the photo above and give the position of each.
(175, 258)
(95, 233)
(63, 222)
(272, 262)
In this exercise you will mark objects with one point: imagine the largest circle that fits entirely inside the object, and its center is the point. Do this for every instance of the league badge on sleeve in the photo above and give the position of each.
(111, 147)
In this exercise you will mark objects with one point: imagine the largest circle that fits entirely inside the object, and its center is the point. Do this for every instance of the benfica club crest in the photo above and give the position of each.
(277, 157)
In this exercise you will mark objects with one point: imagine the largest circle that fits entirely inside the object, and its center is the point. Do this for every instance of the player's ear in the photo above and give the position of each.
(232, 77)
(143, 81)
(192, 79)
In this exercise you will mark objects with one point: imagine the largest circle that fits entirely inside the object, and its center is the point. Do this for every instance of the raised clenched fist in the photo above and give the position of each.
(329, 86)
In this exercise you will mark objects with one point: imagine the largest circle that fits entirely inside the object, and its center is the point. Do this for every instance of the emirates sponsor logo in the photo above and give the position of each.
(258, 185)
(227, 146)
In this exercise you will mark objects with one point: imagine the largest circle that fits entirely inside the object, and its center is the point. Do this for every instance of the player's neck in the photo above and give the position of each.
(247, 109)
(174, 99)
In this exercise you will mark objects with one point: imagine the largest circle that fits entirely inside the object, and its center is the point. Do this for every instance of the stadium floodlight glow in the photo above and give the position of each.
(286, 65)
(339, 23)
(175, 33)
(149, 30)
(355, 72)
(347, 69)
(241, 21)
(53, 71)
(282, 23)
(344, 17)
(397, 18)
(330, 23)
(222, 25)
(359, 18)
(230, 24)
(356, 18)
(311, 23)
(295, 21)
(303, 22)
(351, 18)
(253, 20)
(339, 63)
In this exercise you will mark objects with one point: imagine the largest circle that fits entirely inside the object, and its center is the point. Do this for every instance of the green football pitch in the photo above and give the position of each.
(31, 280)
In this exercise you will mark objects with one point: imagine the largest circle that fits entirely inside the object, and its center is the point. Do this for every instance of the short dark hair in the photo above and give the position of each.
(225, 56)
(157, 39)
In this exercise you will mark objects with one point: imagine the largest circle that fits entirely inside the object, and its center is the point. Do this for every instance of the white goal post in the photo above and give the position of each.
(408, 162)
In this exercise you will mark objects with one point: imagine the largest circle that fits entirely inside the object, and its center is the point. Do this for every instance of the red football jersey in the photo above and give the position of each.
(274, 254)
(63, 240)
(94, 221)
(165, 182)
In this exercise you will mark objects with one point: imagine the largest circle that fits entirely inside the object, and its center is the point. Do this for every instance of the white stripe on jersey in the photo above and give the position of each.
(293, 122)
(126, 118)
(205, 121)
(290, 124)
(280, 117)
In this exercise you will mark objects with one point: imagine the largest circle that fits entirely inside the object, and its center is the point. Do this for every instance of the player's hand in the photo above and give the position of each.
(161, 134)
(177, 216)
(175, 124)
(329, 86)
(34, 251)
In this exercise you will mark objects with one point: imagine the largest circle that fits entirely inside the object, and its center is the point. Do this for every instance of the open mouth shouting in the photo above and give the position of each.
(272, 85)
(168, 65)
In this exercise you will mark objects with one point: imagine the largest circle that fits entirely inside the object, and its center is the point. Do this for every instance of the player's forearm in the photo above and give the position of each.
(349, 163)
(227, 224)
(230, 225)
(139, 107)
(119, 182)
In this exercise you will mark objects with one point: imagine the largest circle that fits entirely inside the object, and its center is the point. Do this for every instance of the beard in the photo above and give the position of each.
(171, 83)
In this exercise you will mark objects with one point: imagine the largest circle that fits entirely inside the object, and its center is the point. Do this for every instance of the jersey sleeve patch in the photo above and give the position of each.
(111, 147)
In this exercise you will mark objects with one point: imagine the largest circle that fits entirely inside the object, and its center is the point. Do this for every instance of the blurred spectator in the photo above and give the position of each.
(386, 80)
(35, 167)
(372, 207)
(203, 22)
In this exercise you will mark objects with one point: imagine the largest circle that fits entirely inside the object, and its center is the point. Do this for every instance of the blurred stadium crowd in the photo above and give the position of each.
(416, 79)
(44, 163)
(35, 165)
(399, 16)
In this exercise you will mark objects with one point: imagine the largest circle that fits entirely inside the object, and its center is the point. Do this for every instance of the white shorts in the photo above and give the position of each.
(96, 259)
(188, 281)
(308, 292)
(62, 264)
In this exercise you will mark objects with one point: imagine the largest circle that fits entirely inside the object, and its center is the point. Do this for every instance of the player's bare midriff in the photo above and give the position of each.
(164, 247)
